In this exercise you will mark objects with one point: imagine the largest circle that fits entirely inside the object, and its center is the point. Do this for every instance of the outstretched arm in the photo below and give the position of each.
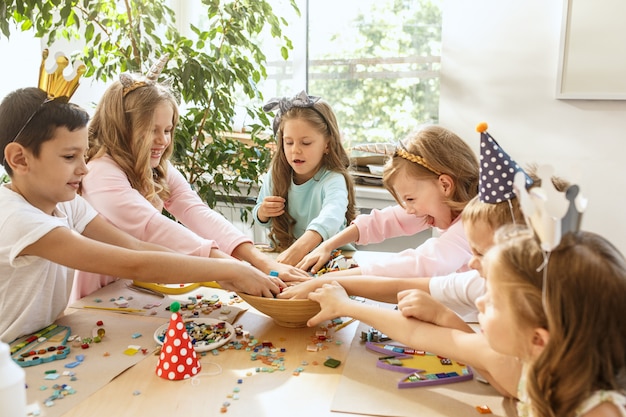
(103, 249)
(422, 306)
(319, 256)
(471, 348)
(287, 273)
(384, 289)
(298, 249)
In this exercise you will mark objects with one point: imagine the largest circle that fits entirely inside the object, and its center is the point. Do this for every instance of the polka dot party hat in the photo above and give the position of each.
(178, 359)
(497, 170)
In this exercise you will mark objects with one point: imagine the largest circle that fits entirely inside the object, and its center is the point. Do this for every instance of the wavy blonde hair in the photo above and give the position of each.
(122, 128)
(442, 152)
(323, 120)
(585, 290)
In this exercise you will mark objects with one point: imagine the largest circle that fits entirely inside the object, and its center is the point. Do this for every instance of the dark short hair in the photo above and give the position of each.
(27, 118)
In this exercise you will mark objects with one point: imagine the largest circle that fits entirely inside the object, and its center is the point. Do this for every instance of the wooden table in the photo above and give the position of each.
(260, 393)
(230, 379)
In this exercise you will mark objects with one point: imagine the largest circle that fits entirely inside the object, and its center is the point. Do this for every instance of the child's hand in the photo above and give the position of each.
(333, 299)
(272, 206)
(420, 305)
(300, 248)
(246, 278)
(302, 289)
(289, 273)
(316, 259)
(290, 256)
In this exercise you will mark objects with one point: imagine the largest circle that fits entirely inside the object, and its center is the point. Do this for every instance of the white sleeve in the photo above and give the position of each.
(459, 292)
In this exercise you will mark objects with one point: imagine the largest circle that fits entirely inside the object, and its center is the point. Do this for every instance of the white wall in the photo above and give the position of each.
(499, 65)
(23, 71)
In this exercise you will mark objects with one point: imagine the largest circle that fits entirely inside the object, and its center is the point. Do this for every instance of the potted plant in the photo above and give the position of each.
(212, 70)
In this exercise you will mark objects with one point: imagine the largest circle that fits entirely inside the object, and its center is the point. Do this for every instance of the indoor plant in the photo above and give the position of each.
(212, 69)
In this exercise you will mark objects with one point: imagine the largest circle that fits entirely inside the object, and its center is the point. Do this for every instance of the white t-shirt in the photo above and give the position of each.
(33, 290)
(459, 292)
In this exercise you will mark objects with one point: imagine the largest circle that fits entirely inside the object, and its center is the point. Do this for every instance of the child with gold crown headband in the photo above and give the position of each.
(131, 180)
(48, 231)
(432, 174)
(308, 194)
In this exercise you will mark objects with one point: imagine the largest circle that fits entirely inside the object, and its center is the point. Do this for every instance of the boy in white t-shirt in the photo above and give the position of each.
(47, 230)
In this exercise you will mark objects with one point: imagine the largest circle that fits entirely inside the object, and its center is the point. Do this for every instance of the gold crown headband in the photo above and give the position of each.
(416, 159)
(53, 82)
(130, 84)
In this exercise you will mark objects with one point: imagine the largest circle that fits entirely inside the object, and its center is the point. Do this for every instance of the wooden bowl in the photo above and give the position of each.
(286, 313)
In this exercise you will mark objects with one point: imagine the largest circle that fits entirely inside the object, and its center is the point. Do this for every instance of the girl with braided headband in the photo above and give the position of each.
(432, 175)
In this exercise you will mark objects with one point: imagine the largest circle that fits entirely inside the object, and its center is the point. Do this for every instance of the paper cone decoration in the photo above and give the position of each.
(178, 359)
(497, 170)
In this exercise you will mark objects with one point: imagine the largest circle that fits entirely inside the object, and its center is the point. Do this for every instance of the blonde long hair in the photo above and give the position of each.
(322, 118)
(442, 152)
(122, 128)
(582, 309)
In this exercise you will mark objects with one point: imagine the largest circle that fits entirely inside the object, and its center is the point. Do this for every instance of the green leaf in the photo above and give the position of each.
(211, 69)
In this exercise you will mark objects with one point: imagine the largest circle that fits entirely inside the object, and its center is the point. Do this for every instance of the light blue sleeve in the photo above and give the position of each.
(266, 190)
(334, 203)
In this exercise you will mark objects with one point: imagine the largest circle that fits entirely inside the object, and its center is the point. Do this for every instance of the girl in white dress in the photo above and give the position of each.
(563, 317)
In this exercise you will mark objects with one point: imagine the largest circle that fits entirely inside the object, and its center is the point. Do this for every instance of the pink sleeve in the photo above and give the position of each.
(107, 188)
(189, 209)
(85, 283)
(437, 256)
(392, 221)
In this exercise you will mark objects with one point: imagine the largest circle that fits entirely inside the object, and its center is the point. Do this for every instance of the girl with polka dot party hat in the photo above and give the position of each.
(178, 359)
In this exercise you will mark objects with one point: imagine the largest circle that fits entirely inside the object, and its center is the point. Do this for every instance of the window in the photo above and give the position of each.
(375, 61)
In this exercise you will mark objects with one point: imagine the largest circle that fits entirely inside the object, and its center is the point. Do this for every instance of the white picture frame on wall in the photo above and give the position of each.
(592, 56)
